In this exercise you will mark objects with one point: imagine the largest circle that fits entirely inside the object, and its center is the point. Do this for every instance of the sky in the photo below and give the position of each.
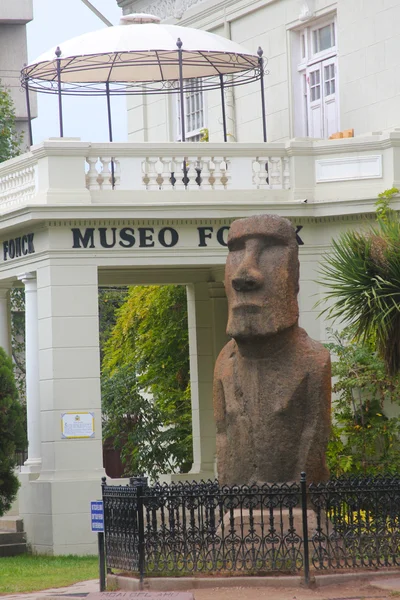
(54, 22)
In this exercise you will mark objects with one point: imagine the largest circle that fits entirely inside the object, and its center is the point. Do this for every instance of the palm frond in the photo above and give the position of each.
(362, 277)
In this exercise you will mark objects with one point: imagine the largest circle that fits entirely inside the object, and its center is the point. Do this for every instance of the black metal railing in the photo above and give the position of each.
(204, 528)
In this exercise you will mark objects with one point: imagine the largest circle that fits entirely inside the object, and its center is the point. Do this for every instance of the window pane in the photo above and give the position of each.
(303, 45)
(325, 38)
(315, 41)
(329, 78)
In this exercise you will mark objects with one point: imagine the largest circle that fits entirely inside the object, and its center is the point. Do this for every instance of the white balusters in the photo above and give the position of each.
(117, 173)
(166, 173)
(105, 175)
(150, 173)
(275, 173)
(259, 177)
(180, 168)
(286, 173)
(271, 173)
(192, 173)
(17, 187)
(92, 176)
(220, 173)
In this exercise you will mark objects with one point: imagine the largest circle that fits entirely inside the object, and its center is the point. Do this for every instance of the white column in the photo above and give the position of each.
(219, 311)
(56, 509)
(201, 349)
(5, 329)
(34, 461)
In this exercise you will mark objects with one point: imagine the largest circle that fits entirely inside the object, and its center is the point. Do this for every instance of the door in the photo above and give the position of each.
(315, 116)
(330, 111)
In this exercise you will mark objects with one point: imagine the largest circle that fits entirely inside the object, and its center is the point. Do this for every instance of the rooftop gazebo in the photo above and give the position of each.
(143, 56)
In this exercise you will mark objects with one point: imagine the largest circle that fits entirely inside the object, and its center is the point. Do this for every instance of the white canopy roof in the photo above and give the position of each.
(139, 51)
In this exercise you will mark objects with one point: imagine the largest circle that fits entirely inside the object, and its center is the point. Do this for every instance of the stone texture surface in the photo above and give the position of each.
(272, 383)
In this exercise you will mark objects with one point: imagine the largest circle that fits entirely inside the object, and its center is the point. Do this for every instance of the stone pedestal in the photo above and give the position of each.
(241, 519)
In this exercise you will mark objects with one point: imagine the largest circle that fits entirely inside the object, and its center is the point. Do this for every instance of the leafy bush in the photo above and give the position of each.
(12, 432)
(363, 439)
(145, 381)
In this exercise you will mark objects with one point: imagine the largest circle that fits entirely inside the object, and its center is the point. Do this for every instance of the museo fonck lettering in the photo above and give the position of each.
(147, 237)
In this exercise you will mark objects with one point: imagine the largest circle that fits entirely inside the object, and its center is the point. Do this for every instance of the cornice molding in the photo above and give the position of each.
(348, 210)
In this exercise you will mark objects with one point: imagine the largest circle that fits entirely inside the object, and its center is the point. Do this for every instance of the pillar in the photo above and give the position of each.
(219, 312)
(207, 325)
(5, 325)
(34, 460)
(56, 507)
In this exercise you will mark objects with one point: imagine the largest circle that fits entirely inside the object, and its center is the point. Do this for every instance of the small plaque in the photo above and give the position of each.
(97, 516)
(77, 425)
(140, 595)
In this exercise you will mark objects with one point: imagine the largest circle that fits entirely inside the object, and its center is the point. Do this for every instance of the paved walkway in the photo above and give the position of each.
(378, 588)
(77, 590)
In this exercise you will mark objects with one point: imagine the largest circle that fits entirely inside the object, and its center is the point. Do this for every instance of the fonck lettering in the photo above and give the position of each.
(17, 247)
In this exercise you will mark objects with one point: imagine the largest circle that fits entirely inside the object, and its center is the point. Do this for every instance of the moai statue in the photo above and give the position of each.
(272, 383)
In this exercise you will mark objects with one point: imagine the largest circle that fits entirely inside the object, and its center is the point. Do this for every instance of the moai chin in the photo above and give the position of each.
(272, 383)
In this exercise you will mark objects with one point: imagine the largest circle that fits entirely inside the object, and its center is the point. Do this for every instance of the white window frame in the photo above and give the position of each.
(191, 135)
(303, 63)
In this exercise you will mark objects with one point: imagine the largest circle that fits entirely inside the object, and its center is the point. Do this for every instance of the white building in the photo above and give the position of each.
(333, 66)
(64, 230)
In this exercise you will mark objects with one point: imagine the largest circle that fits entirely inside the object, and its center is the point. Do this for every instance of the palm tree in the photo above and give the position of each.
(362, 276)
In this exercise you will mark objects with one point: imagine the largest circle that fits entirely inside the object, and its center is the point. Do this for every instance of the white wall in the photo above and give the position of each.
(368, 62)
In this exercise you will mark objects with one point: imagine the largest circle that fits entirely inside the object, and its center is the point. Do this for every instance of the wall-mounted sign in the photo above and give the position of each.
(77, 425)
(149, 237)
(20, 246)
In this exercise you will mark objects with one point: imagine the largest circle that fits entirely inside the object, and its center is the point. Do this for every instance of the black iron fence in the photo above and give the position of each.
(204, 528)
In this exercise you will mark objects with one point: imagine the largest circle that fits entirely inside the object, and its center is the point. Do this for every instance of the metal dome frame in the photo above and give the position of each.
(131, 68)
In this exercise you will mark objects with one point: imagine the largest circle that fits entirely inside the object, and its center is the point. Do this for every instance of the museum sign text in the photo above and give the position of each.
(149, 237)
(19, 246)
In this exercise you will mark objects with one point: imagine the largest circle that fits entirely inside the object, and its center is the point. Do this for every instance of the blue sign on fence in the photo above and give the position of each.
(97, 516)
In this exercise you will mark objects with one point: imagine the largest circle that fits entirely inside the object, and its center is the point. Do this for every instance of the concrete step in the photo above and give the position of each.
(12, 549)
(12, 537)
(15, 524)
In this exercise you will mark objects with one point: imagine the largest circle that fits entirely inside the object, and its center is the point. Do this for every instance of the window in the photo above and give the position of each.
(315, 59)
(323, 38)
(194, 110)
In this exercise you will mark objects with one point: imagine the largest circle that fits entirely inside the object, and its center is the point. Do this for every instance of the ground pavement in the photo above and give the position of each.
(382, 588)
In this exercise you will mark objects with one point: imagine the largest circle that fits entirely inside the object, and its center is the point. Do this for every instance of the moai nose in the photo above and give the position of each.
(247, 283)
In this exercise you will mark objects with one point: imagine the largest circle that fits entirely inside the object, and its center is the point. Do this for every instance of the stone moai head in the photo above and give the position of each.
(261, 277)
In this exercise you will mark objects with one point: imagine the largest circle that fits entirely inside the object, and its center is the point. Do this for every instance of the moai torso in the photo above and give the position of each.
(271, 415)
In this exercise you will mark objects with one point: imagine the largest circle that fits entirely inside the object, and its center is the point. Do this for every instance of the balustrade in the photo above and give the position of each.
(17, 187)
(62, 171)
